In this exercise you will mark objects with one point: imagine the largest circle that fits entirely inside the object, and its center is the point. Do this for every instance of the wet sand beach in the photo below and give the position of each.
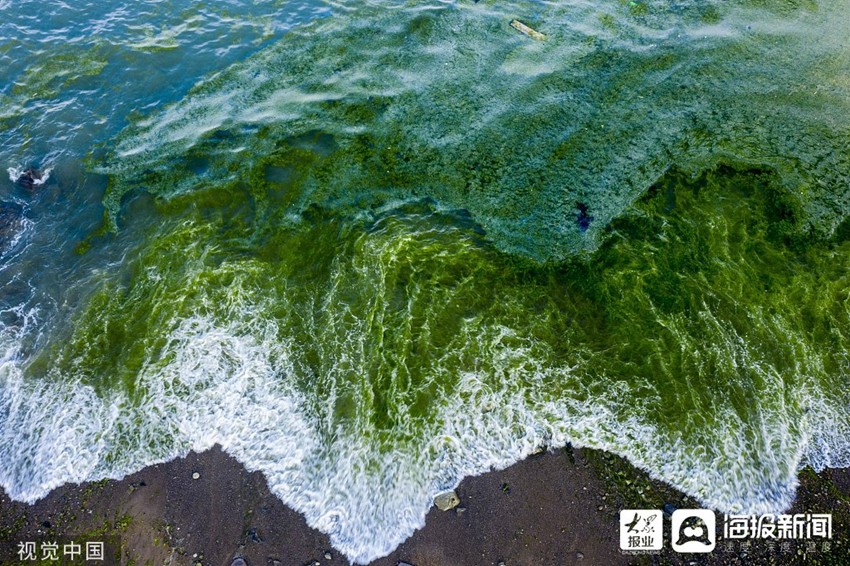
(554, 508)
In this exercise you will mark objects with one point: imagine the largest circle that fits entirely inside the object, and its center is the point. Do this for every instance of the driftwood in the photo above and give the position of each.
(525, 30)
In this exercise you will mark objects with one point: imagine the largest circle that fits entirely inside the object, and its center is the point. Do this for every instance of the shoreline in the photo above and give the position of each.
(558, 507)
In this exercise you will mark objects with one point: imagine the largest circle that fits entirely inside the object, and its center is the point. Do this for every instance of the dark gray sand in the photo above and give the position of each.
(551, 509)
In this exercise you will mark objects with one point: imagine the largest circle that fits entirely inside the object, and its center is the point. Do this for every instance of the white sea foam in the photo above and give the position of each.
(223, 386)
(233, 384)
(25, 226)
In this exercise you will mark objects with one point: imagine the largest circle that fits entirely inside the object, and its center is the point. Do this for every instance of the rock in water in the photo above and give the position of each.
(11, 223)
(29, 179)
(446, 500)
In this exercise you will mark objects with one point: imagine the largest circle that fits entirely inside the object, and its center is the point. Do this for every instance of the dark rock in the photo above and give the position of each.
(570, 454)
(253, 535)
(29, 178)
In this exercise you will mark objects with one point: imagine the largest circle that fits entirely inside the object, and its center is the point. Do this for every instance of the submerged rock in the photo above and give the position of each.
(11, 223)
(583, 218)
(446, 500)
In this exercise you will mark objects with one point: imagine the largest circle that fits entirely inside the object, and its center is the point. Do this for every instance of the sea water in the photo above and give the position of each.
(372, 248)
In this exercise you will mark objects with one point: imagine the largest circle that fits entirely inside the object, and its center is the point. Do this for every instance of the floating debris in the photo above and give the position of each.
(525, 30)
(583, 218)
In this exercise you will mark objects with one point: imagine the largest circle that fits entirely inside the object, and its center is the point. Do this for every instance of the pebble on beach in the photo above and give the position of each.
(446, 500)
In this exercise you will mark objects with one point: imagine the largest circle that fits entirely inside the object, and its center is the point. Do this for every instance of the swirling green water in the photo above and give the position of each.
(367, 272)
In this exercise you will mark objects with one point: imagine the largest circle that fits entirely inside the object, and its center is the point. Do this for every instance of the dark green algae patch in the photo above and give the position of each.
(712, 312)
(640, 237)
(378, 105)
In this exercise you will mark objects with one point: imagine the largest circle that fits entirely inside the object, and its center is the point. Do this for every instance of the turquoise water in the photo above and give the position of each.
(373, 248)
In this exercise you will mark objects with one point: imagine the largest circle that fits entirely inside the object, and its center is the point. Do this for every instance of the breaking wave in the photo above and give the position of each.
(370, 277)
